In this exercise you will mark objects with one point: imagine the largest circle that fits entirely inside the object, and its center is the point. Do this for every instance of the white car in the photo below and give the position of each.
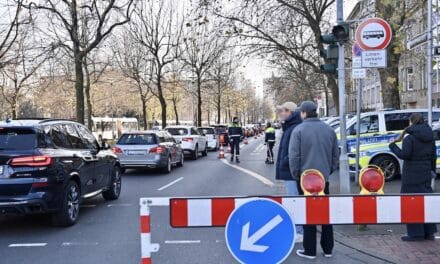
(192, 142)
(209, 132)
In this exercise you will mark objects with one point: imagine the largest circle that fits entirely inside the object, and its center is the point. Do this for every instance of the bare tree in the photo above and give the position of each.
(157, 27)
(203, 44)
(80, 26)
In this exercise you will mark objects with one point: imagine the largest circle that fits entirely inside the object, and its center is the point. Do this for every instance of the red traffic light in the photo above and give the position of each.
(312, 182)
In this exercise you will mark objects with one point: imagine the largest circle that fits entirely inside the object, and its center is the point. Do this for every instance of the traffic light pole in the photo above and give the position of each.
(344, 176)
(429, 61)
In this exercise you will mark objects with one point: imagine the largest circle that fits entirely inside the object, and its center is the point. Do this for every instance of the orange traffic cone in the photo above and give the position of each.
(221, 153)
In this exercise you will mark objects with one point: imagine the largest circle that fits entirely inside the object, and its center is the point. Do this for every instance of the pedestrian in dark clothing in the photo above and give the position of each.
(269, 141)
(419, 157)
(291, 118)
(235, 133)
(314, 145)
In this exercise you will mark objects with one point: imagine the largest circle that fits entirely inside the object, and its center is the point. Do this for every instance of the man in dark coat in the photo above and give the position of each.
(419, 157)
(290, 119)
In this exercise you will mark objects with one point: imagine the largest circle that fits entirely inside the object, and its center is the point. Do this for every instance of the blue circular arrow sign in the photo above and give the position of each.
(260, 231)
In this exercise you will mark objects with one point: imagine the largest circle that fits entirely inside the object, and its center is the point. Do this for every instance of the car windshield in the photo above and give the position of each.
(17, 139)
(206, 131)
(137, 139)
(177, 131)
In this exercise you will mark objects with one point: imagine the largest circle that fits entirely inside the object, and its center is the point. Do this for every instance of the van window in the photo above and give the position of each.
(396, 121)
(369, 124)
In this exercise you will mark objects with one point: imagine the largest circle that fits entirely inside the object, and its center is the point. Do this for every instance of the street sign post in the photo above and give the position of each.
(374, 59)
(260, 231)
(373, 34)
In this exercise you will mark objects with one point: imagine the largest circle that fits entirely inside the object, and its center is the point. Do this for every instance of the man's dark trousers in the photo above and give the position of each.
(309, 239)
(235, 146)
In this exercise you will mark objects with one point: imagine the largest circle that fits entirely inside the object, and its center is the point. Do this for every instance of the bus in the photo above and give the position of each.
(112, 128)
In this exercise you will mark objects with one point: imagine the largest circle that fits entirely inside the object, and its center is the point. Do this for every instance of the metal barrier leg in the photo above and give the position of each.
(146, 246)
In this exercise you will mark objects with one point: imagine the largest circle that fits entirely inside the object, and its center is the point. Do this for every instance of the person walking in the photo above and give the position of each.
(419, 157)
(269, 141)
(235, 133)
(290, 118)
(314, 145)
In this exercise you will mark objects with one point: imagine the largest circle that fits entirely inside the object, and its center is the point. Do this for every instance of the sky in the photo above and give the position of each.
(256, 70)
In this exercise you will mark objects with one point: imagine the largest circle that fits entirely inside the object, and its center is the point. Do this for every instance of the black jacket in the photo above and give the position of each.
(418, 153)
(282, 166)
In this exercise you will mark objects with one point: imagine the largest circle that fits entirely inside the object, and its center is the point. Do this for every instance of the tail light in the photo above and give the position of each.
(31, 161)
(117, 150)
(157, 150)
(187, 139)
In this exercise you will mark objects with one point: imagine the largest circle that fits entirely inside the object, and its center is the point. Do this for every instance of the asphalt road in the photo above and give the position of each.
(108, 232)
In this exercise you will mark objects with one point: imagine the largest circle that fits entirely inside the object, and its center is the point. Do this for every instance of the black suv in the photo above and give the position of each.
(50, 166)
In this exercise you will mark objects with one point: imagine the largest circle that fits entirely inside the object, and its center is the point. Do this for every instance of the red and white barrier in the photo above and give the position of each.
(315, 210)
(356, 209)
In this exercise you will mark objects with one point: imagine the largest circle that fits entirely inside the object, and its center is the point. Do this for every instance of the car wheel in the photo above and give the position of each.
(195, 154)
(115, 186)
(167, 168)
(205, 152)
(69, 211)
(180, 163)
(389, 166)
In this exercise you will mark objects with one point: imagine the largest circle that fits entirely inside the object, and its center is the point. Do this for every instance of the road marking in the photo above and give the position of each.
(69, 244)
(170, 184)
(121, 205)
(257, 176)
(182, 241)
(28, 245)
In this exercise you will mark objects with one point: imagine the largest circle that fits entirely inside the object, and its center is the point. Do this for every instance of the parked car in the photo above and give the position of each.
(190, 139)
(148, 149)
(51, 166)
(209, 132)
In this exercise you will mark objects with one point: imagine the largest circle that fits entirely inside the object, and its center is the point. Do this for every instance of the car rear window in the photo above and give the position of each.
(137, 139)
(220, 130)
(206, 131)
(17, 138)
(177, 131)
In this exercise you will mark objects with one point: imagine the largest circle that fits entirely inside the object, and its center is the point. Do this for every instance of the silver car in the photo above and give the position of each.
(149, 149)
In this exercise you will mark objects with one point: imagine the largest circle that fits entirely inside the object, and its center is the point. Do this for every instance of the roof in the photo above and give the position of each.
(179, 126)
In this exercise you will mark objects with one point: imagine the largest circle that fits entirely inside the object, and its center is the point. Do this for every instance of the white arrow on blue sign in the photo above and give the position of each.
(260, 231)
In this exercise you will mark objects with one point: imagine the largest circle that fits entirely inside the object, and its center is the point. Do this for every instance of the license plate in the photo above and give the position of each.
(136, 152)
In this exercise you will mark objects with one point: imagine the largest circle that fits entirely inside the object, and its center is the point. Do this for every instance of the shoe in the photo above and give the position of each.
(232, 158)
(430, 237)
(298, 238)
(237, 160)
(328, 255)
(412, 239)
(301, 253)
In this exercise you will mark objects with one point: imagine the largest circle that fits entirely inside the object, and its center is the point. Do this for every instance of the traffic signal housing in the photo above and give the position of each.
(340, 34)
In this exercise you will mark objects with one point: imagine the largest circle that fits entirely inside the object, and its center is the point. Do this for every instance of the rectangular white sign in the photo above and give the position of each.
(356, 62)
(358, 73)
(374, 59)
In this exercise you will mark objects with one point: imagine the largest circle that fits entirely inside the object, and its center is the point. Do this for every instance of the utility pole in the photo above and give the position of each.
(344, 177)
(429, 61)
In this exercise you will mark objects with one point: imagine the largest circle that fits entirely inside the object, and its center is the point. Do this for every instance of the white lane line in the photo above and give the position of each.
(170, 184)
(28, 245)
(120, 205)
(257, 176)
(182, 241)
(69, 244)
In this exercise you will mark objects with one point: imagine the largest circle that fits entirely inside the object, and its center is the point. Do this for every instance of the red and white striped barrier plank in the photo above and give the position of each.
(146, 246)
(394, 209)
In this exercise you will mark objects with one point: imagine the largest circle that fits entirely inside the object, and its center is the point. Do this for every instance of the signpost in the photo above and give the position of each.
(260, 231)
(372, 37)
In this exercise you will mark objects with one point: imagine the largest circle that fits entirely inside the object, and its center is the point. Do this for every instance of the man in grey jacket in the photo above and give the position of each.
(314, 145)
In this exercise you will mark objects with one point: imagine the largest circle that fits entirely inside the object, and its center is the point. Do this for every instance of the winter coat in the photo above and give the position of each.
(282, 166)
(418, 153)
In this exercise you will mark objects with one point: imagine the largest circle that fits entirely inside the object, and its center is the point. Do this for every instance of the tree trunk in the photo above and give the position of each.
(176, 112)
(333, 86)
(79, 86)
(218, 102)
(389, 80)
(14, 108)
(87, 94)
(144, 112)
(162, 101)
(199, 101)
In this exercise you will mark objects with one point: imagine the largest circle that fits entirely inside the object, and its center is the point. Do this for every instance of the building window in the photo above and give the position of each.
(409, 79)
